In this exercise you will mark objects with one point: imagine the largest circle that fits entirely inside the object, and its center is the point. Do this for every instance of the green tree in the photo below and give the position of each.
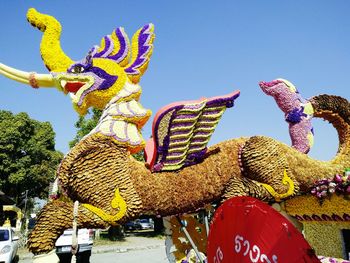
(85, 124)
(28, 159)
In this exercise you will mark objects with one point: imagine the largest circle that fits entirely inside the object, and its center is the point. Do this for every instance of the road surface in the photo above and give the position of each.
(151, 255)
(155, 255)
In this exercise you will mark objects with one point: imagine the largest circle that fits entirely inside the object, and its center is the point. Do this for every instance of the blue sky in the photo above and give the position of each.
(202, 48)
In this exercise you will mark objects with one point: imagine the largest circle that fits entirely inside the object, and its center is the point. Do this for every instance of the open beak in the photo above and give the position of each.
(30, 78)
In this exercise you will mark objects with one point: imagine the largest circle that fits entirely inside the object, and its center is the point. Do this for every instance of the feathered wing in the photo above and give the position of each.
(141, 50)
(182, 130)
(121, 51)
(134, 59)
(115, 46)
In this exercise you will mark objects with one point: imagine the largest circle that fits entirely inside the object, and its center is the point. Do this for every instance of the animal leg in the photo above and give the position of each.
(94, 170)
(246, 187)
(54, 218)
(264, 160)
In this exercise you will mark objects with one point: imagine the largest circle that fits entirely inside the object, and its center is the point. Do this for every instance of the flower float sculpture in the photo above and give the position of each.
(339, 184)
(182, 174)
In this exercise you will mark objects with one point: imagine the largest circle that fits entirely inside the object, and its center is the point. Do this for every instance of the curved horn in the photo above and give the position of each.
(51, 52)
(29, 78)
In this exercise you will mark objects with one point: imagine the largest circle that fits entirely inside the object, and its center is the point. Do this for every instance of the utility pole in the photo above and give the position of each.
(24, 220)
(25, 204)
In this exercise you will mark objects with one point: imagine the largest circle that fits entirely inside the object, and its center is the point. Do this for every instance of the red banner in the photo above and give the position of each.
(246, 230)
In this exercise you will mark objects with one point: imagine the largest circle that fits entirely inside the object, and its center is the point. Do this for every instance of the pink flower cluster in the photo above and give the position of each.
(332, 260)
(339, 184)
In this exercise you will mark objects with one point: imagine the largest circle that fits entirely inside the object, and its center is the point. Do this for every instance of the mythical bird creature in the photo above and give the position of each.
(182, 174)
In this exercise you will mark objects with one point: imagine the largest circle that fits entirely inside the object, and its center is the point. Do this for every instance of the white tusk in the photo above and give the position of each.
(10, 76)
(45, 80)
(33, 79)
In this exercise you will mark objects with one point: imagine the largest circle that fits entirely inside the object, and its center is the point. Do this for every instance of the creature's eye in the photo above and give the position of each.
(77, 69)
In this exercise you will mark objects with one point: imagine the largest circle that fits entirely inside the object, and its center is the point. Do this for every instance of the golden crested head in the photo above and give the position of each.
(93, 81)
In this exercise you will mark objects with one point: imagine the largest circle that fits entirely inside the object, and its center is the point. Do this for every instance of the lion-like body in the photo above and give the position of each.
(97, 166)
(112, 187)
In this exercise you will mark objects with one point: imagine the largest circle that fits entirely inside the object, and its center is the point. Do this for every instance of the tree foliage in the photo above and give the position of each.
(28, 159)
(85, 124)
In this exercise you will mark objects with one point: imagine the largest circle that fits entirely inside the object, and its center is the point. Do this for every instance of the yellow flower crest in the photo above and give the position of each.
(51, 52)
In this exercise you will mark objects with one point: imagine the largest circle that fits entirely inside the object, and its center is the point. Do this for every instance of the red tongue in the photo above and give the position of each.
(73, 86)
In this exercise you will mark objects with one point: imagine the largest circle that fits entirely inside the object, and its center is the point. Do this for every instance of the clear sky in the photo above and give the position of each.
(202, 48)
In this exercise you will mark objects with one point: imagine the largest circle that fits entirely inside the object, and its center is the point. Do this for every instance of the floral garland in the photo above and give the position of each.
(339, 184)
(332, 260)
(309, 208)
